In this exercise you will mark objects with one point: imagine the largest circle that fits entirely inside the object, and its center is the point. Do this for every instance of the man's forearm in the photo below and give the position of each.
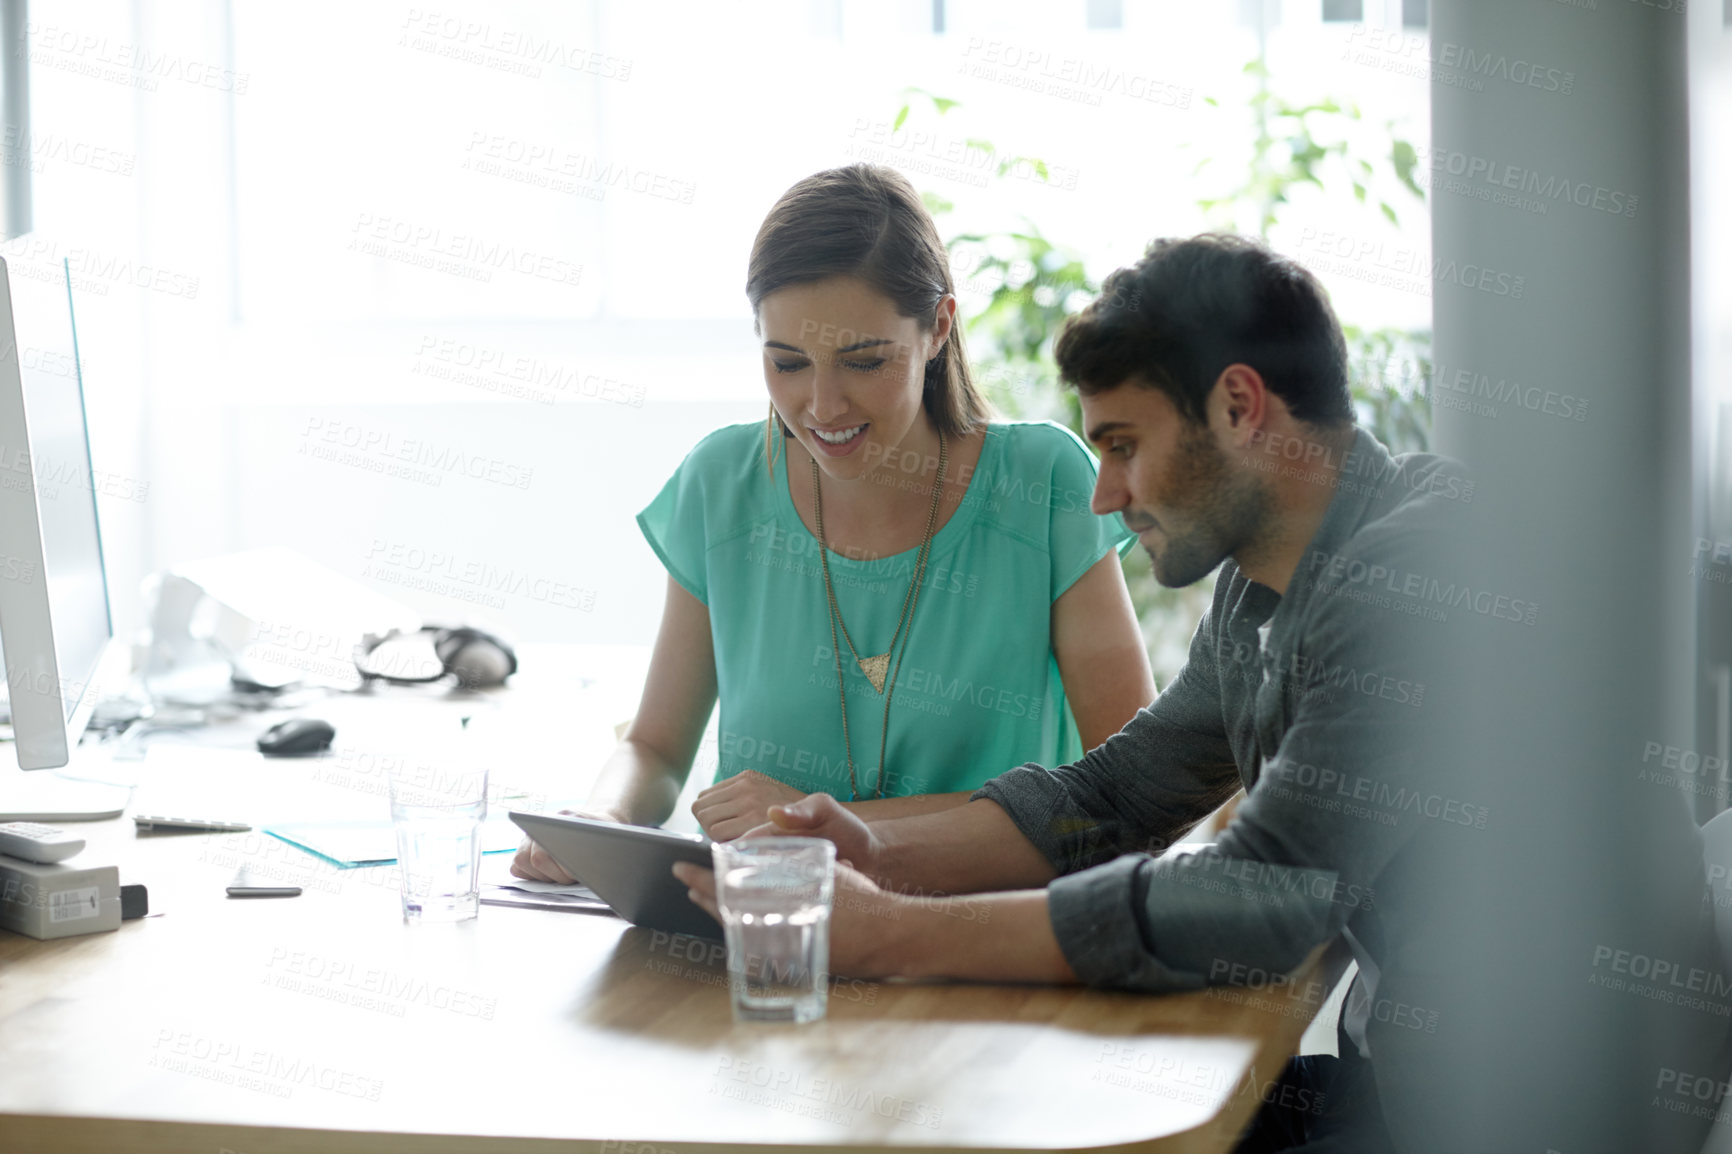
(914, 805)
(967, 849)
(988, 938)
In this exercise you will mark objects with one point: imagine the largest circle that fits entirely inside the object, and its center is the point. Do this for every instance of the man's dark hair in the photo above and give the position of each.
(1191, 307)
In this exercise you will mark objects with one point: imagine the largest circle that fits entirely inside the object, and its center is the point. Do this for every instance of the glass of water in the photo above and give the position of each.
(437, 811)
(774, 894)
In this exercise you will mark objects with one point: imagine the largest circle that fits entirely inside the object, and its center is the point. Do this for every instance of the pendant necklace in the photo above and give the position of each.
(875, 668)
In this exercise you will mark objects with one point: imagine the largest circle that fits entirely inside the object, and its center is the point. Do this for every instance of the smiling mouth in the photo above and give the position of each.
(840, 437)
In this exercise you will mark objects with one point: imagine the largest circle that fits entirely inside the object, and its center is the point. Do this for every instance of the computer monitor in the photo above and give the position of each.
(56, 631)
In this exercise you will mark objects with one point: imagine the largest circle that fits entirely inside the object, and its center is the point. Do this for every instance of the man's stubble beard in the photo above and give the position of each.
(1222, 509)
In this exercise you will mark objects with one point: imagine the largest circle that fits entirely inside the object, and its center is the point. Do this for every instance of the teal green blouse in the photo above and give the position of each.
(979, 689)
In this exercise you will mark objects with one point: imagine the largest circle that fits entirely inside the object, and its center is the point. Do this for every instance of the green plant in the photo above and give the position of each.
(1030, 284)
(1320, 144)
(1298, 144)
(1035, 285)
(1390, 373)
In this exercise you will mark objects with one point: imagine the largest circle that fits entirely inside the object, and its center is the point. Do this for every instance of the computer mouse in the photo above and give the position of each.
(296, 735)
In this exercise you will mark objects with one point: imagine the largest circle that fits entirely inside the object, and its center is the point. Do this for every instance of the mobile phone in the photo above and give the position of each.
(243, 886)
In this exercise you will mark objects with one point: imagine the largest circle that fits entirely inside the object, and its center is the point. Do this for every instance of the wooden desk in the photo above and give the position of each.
(323, 1023)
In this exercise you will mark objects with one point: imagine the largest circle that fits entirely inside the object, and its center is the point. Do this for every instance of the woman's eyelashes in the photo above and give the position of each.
(867, 366)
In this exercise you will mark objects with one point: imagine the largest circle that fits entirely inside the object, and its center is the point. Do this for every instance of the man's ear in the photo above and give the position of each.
(1239, 404)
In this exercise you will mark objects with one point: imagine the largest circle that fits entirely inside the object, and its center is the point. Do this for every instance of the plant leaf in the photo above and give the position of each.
(936, 204)
(1406, 159)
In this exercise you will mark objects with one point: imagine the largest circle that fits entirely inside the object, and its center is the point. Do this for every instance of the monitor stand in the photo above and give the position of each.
(56, 799)
(53, 795)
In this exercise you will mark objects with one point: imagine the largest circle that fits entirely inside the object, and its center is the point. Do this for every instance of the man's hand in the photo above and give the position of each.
(862, 917)
(535, 864)
(729, 808)
(820, 815)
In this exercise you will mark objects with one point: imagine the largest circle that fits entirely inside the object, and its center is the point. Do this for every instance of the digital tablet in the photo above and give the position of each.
(630, 867)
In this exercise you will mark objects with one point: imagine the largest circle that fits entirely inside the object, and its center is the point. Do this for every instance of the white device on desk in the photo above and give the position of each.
(55, 900)
(44, 844)
(55, 629)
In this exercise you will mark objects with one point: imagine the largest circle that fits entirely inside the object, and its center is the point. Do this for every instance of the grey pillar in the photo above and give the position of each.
(1560, 157)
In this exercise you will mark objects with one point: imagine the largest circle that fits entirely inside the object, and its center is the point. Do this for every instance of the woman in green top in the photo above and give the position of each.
(969, 614)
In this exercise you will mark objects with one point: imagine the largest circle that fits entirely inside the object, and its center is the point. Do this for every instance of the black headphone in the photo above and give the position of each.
(453, 647)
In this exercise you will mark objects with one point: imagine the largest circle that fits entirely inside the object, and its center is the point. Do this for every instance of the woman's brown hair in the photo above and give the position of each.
(866, 221)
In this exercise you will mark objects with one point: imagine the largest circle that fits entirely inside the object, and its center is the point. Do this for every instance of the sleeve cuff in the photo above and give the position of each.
(1094, 918)
(1098, 918)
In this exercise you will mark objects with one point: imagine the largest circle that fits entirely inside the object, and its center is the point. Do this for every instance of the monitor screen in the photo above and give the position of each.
(55, 451)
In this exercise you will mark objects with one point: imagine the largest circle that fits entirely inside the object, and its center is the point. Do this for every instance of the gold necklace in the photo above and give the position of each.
(874, 667)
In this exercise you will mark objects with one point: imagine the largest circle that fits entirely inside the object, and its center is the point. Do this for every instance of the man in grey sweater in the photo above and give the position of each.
(1213, 382)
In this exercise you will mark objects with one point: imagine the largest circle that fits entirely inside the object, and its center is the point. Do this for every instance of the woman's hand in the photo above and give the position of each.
(820, 815)
(729, 808)
(862, 919)
(535, 864)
